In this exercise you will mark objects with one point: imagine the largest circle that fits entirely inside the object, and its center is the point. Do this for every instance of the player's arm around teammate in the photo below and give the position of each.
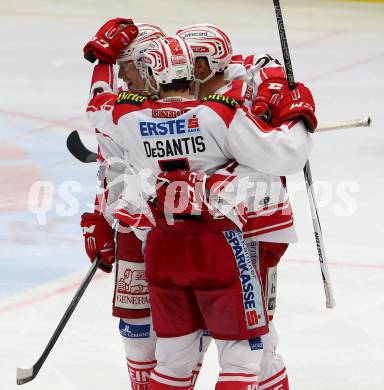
(185, 297)
(130, 299)
(269, 216)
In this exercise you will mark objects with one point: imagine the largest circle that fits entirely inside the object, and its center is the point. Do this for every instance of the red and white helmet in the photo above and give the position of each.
(209, 41)
(135, 51)
(168, 59)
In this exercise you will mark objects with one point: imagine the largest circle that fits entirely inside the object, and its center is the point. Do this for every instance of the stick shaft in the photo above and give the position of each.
(361, 122)
(330, 302)
(284, 45)
(329, 299)
(31, 373)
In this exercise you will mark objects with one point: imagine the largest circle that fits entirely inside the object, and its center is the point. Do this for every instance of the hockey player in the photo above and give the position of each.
(130, 301)
(269, 225)
(203, 136)
(135, 323)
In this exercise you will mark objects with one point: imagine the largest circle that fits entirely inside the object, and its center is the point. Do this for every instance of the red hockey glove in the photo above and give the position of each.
(98, 237)
(297, 103)
(273, 95)
(114, 36)
(181, 192)
(276, 78)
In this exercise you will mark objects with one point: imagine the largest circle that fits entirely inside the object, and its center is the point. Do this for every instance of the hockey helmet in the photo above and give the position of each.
(134, 52)
(209, 41)
(168, 59)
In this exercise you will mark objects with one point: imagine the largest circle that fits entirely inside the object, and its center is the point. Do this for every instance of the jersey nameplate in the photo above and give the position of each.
(125, 97)
(226, 100)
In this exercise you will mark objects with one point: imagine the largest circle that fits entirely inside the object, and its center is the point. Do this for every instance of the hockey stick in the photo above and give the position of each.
(363, 122)
(330, 301)
(24, 375)
(82, 153)
(78, 150)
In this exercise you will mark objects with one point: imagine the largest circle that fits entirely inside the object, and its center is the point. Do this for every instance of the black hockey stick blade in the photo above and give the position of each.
(78, 149)
(25, 375)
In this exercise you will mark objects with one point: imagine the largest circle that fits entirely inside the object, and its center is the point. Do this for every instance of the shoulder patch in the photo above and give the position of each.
(226, 100)
(126, 97)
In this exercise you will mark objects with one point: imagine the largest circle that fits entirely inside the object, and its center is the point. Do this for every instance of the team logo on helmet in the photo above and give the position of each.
(169, 59)
(135, 51)
(146, 33)
(207, 40)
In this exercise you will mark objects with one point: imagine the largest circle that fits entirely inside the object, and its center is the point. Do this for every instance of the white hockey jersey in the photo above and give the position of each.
(269, 216)
(250, 70)
(200, 136)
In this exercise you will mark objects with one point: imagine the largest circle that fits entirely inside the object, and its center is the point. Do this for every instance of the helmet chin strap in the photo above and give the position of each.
(196, 88)
(154, 89)
(202, 81)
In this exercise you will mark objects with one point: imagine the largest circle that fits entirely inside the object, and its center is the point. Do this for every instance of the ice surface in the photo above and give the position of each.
(336, 48)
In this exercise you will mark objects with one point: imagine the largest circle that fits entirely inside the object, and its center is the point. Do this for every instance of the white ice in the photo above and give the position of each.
(336, 47)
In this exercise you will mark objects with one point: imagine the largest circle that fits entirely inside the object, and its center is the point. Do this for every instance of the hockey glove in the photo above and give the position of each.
(296, 104)
(283, 104)
(98, 237)
(181, 192)
(276, 78)
(114, 36)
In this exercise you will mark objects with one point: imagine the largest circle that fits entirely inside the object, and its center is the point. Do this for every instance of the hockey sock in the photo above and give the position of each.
(237, 381)
(195, 374)
(139, 373)
(164, 382)
(276, 382)
(236, 385)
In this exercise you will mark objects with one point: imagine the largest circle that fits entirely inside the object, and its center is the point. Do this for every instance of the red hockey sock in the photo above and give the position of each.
(237, 381)
(195, 374)
(234, 385)
(154, 385)
(280, 385)
(139, 373)
(164, 382)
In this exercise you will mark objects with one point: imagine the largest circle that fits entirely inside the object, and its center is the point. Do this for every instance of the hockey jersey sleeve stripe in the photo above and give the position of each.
(270, 221)
(218, 182)
(103, 80)
(101, 134)
(103, 101)
(133, 220)
(239, 212)
(231, 166)
(249, 232)
(104, 73)
(270, 209)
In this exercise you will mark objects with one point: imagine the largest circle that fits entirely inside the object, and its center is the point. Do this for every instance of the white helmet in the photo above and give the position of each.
(135, 51)
(209, 41)
(169, 59)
